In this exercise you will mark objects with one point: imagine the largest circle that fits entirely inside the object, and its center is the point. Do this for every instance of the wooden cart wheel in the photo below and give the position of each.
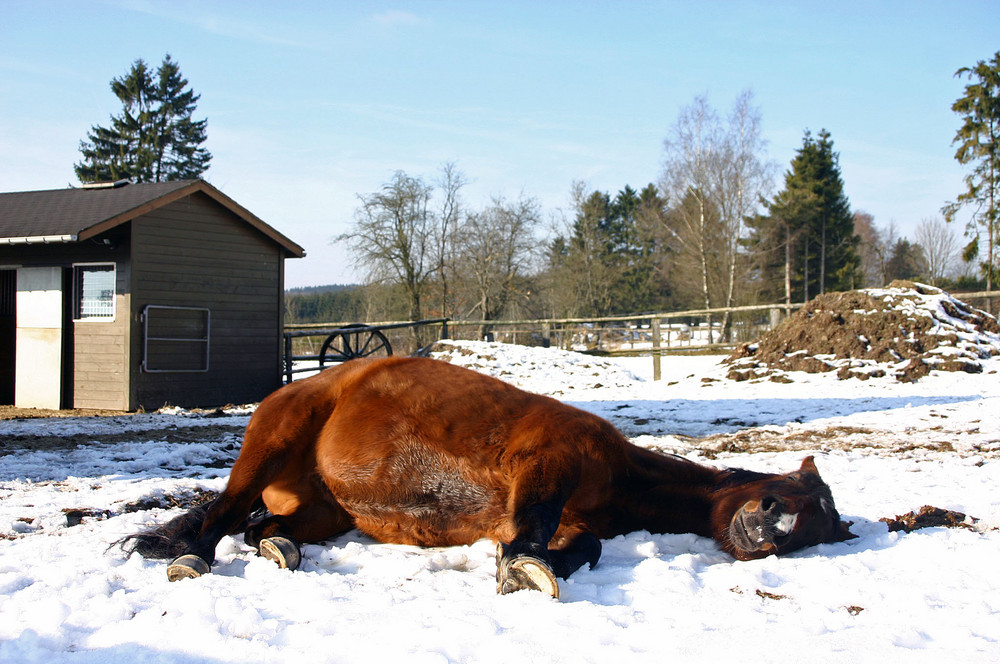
(348, 343)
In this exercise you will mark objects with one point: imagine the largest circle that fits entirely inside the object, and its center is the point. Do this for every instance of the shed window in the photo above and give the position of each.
(176, 339)
(94, 292)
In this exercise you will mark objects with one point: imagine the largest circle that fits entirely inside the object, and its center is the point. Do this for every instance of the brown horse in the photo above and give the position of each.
(419, 451)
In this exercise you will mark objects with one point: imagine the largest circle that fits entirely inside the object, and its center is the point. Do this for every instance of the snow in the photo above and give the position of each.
(884, 447)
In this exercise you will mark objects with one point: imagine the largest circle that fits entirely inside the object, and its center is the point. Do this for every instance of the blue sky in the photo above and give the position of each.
(311, 103)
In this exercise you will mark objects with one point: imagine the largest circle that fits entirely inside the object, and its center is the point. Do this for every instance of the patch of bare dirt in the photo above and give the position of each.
(15, 413)
(905, 330)
(757, 440)
(173, 434)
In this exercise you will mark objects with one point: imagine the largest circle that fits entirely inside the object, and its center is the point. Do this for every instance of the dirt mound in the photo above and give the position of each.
(905, 330)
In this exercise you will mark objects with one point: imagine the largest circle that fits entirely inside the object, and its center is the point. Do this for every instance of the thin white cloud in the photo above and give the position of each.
(394, 17)
(207, 21)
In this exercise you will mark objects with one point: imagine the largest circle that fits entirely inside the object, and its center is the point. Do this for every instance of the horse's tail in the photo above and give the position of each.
(173, 538)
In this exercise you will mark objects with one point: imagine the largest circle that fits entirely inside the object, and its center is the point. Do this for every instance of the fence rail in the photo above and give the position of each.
(651, 334)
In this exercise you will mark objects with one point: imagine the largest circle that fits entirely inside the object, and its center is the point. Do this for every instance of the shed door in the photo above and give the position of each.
(39, 338)
(8, 290)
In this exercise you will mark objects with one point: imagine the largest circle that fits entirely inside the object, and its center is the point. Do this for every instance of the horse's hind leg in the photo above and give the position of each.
(258, 465)
(223, 517)
(303, 516)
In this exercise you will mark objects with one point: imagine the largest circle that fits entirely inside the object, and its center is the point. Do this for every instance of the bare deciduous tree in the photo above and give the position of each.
(494, 249)
(393, 238)
(450, 182)
(692, 155)
(744, 179)
(874, 248)
(940, 246)
(715, 176)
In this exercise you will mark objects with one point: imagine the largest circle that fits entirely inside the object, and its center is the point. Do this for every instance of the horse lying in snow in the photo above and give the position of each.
(419, 451)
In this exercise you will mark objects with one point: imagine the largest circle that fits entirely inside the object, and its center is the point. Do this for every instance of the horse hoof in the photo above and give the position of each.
(188, 566)
(281, 550)
(526, 573)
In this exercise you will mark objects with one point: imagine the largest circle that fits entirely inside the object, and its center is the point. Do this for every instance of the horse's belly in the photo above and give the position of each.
(426, 506)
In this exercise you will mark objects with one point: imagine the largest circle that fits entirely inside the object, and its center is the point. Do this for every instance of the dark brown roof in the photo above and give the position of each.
(69, 215)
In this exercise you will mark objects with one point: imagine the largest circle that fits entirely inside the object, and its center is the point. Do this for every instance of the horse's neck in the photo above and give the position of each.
(664, 494)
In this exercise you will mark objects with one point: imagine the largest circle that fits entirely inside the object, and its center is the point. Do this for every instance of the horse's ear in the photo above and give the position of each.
(844, 532)
(809, 466)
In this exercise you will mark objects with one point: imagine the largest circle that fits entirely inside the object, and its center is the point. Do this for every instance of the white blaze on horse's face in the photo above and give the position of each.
(786, 524)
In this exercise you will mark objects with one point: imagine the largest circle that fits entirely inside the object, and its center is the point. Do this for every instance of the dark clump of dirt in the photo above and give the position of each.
(930, 517)
(185, 500)
(905, 330)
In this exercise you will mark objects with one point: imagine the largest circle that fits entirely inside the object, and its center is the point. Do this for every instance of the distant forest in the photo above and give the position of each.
(324, 304)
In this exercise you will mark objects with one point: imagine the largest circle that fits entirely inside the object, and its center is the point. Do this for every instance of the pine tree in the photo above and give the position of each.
(607, 262)
(810, 222)
(907, 261)
(839, 266)
(154, 138)
(179, 155)
(978, 142)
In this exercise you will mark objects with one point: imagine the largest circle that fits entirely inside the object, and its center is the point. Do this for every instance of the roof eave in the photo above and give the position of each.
(39, 239)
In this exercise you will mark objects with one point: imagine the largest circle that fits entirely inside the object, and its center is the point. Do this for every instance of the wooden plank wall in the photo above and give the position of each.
(194, 253)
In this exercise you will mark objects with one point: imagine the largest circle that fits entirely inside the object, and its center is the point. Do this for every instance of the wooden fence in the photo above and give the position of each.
(645, 334)
(652, 334)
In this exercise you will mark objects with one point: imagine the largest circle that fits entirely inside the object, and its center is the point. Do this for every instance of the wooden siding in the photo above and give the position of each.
(100, 358)
(194, 253)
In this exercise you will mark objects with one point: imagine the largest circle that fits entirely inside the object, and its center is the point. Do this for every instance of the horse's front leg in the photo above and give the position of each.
(525, 563)
(535, 507)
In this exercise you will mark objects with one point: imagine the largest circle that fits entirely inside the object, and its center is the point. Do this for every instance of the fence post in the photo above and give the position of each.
(546, 335)
(655, 331)
(775, 317)
(287, 359)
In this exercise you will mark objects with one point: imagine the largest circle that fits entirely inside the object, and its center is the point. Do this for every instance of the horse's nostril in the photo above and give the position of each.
(769, 504)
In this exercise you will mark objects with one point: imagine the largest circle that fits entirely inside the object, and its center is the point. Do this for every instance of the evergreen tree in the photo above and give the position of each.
(590, 256)
(811, 220)
(978, 142)
(154, 138)
(607, 265)
(906, 261)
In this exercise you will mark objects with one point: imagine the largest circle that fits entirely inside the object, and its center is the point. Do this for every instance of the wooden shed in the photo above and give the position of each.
(127, 296)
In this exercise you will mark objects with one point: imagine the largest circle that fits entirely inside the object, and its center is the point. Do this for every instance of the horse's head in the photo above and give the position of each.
(778, 514)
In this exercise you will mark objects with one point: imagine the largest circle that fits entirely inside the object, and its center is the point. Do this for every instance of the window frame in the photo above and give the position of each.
(78, 288)
(206, 339)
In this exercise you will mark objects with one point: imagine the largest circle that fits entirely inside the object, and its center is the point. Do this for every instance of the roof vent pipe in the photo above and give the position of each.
(106, 185)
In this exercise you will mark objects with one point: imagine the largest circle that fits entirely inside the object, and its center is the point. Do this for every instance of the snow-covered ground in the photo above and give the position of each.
(884, 447)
